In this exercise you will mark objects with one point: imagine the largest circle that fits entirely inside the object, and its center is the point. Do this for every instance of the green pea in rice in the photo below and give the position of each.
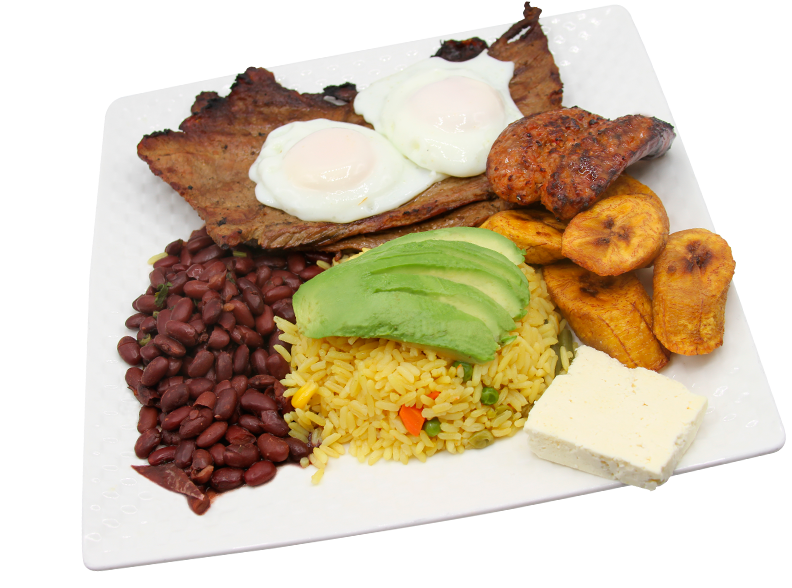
(349, 390)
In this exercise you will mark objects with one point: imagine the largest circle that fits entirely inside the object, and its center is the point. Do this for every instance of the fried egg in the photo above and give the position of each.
(443, 115)
(323, 170)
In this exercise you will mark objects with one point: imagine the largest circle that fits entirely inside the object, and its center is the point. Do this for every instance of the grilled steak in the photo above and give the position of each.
(567, 158)
(470, 215)
(208, 159)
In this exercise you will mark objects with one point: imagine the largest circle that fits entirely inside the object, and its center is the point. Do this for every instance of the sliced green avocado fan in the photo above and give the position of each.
(457, 291)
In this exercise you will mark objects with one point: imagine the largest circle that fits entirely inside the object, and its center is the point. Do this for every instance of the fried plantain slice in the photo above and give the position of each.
(624, 231)
(536, 231)
(691, 279)
(612, 313)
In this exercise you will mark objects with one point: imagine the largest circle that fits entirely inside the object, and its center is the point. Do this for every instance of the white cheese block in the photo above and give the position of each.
(630, 425)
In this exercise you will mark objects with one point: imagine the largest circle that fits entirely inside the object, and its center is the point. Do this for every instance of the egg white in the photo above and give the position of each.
(443, 115)
(322, 170)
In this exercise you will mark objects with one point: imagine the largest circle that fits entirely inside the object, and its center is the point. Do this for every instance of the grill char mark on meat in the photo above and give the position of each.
(567, 158)
(208, 160)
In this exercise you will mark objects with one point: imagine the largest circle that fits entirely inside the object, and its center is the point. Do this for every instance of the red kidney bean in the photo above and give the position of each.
(260, 473)
(147, 442)
(227, 479)
(200, 242)
(195, 289)
(166, 261)
(133, 322)
(255, 402)
(184, 333)
(319, 256)
(185, 257)
(212, 434)
(277, 293)
(272, 448)
(175, 247)
(208, 254)
(222, 385)
(243, 265)
(174, 419)
(240, 384)
(169, 346)
(194, 271)
(297, 449)
(262, 381)
(226, 402)
(150, 291)
(157, 277)
(258, 361)
(201, 364)
(129, 350)
(236, 435)
(132, 377)
(291, 280)
(251, 424)
(171, 438)
(254, 299)
(263, 273)
(295, 262)
(216, 283)
(265, 323)
(284, 404)
(196, 423)
(270, 260)
(154, 371)
(149, 351)
(202, 458)
(200, 477)
(229, 291)
(226, 320)
(167, 382)
(224, 366)
(311, 272)
(163, 317)
(284, 309)
(241, 456)
(216, 451)
(178, 282)
(184, 453)
(162, 455)
(174, 397)
(198, 386)
(199, 327)
(212, 269)
(174, 366)
(148, 325)
(146, 396)
(277, 366)
(207, 399)
(199, 505)
(148, 418)
(274, 423)
(243, 335)
(242, 314)
(211, 311)
(183, 310)
(240, 360)
(218, 339)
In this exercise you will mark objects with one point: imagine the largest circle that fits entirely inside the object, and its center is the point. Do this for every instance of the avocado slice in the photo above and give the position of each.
(465, 298)
(472, 254)
(481, 237)
(454, 269)
(402, 316)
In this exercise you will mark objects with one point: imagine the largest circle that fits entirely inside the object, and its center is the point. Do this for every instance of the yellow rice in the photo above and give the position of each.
(349, 390)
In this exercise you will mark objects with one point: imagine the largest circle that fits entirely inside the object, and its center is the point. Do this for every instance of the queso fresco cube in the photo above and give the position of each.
(630, 425)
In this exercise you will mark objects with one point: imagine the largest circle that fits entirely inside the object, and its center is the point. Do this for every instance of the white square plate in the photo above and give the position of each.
(128, 520)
